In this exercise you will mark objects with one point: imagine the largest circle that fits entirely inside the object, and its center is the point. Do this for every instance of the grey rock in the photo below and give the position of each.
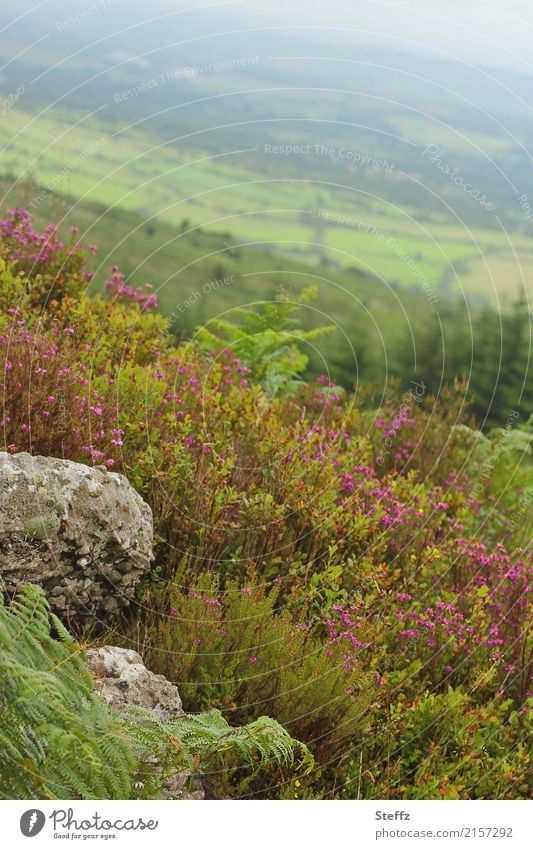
(124, 681)
(62, 525)
(121, 678)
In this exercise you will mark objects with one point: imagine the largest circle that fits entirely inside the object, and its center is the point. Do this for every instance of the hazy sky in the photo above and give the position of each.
(493, 32)
(487, 31)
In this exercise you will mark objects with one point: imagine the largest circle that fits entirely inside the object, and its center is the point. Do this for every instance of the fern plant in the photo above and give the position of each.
(267, 340)
(57, 738)
(206, 745)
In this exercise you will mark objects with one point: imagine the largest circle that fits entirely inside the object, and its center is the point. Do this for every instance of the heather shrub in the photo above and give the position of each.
(62, 368)
(52, 270)
(444, 746)
(234, 649)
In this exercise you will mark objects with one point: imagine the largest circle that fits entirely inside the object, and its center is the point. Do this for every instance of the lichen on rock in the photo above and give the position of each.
(83, 534)
(124, 681)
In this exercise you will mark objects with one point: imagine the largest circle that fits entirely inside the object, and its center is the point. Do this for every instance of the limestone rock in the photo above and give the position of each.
(124, 681)
(121, 678)
(83, 534)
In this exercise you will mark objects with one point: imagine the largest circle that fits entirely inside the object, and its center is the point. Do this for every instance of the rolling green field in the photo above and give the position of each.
(303, 218)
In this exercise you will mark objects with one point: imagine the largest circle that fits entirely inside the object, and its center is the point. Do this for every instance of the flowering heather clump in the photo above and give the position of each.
(59, 350)
(53, 268)
(121, 291)
(51, 404)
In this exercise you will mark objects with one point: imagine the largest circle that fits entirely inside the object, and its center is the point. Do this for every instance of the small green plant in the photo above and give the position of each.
(267, 340)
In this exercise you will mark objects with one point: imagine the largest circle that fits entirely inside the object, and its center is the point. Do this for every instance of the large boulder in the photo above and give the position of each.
(83, 534)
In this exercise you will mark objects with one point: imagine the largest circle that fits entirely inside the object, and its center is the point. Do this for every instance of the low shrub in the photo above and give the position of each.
(444, 746)
(233, 649)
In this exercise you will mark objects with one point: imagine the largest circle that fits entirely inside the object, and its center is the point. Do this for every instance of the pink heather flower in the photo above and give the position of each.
(212, 602)
(252, 659)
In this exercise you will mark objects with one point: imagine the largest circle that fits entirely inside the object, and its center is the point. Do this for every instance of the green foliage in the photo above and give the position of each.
(267, 340)
(206, 746)
(503, 455)
(57, 739)
(446, 747)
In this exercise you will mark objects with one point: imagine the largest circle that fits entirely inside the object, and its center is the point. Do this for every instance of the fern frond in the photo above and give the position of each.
(57, 738)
